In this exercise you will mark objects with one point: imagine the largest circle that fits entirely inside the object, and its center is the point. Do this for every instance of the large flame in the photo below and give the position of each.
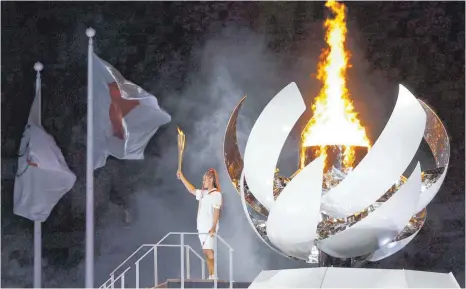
(334, 121)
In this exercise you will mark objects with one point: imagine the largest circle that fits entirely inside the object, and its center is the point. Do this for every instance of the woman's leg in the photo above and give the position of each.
(209, 254)
(207, 243)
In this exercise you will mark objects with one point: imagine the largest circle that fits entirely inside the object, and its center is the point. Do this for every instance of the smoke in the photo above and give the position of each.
(234, 63)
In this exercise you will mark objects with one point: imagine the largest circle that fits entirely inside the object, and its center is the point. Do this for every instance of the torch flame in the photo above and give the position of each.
(334, 121)
(180, 132)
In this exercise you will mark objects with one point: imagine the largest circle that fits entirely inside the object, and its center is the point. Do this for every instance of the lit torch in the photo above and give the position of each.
(334, 130)
(181, 143)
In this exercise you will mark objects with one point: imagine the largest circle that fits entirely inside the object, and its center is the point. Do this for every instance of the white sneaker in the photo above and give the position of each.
(212, 277)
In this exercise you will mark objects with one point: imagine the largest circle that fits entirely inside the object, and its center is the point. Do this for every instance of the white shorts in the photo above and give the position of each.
(207, 242)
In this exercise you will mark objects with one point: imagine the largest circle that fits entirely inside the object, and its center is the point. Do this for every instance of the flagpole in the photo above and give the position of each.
(38, 225)
(90, 168)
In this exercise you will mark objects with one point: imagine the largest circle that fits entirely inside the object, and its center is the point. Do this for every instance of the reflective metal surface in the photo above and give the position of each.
(234, 161)
(436, 137)
(232, 155)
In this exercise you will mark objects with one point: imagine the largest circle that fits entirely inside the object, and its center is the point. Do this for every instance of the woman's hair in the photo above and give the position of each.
(214, 175)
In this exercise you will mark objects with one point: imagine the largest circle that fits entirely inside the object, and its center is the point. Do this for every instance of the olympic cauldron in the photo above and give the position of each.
(365, 214)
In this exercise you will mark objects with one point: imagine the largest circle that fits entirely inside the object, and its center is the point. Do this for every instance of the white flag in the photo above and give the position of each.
(125, 116)
(43, 176)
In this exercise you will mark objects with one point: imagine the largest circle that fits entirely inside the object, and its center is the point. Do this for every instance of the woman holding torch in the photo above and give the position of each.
(208, 213)
(210, 202)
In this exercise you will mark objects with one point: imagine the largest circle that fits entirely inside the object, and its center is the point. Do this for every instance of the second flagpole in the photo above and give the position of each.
(90, 168)
(38, 225)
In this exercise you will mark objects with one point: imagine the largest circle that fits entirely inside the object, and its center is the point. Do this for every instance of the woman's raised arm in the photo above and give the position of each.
(186, 183)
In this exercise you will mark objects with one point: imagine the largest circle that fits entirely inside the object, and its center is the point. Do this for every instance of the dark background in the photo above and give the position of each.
(199, 59)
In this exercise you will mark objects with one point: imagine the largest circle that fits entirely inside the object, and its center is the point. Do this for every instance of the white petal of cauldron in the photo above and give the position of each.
(385, 162)
(292, 222)
(380, 227)
(266, 141)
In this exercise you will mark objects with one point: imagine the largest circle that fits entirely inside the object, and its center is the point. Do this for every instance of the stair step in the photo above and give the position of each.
(176, 283)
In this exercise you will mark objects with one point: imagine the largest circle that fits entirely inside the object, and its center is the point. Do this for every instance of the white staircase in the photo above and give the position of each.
(117, 277)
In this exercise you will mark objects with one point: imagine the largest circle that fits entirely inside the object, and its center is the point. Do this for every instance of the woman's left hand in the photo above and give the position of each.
(212, 232)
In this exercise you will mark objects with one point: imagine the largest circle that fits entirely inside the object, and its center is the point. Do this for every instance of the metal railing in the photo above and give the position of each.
(184, 258)
(216, 238)
(110, 283)
(112, 280)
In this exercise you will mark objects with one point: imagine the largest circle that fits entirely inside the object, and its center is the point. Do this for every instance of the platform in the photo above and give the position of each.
(176, 283)
(332, 277)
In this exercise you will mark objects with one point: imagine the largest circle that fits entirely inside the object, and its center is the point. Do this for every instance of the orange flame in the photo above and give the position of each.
(180, 132)
(334, 121)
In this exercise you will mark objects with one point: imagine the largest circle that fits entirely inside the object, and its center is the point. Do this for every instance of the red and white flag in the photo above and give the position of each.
(43, 176)
(125, 116)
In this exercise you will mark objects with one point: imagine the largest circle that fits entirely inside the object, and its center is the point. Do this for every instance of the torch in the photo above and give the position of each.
(181, 142)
